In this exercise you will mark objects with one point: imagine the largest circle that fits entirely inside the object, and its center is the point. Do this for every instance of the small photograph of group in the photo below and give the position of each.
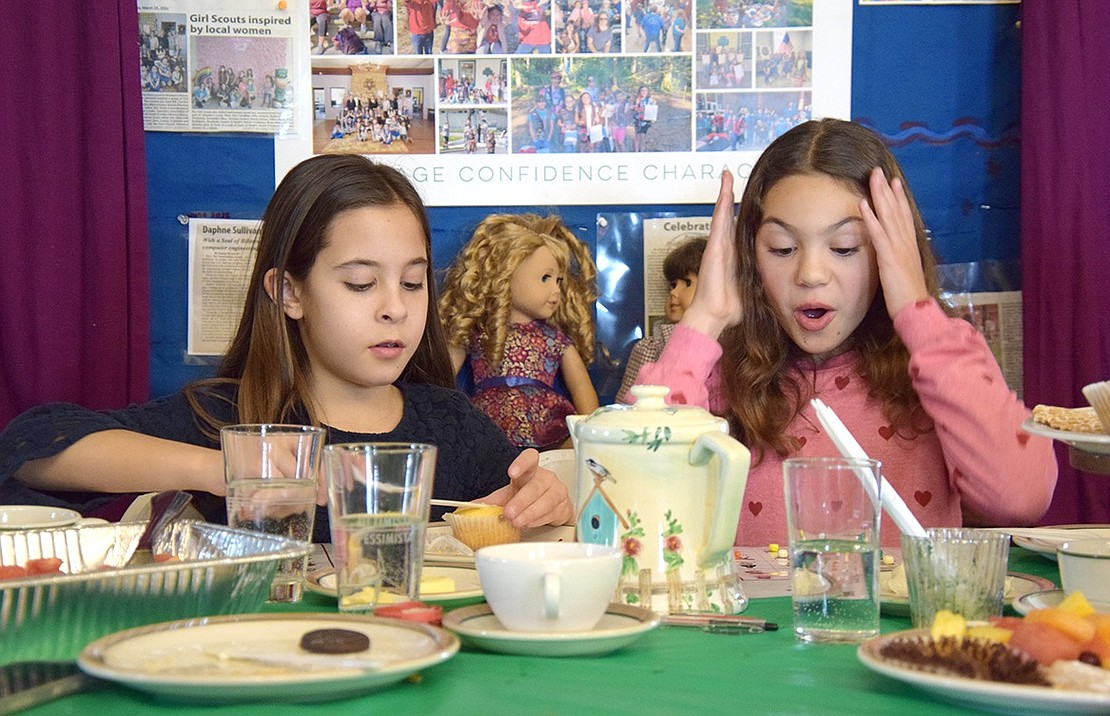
(724, 60)
(783, 58)
(613, 104)
(374, 108)
(732, 121)
(658, 26)
(478, 27)
(231, 74)
(714, 14)
(478, 81)
(162, 55)
(587, 27)
(351, 27)
(473, 131)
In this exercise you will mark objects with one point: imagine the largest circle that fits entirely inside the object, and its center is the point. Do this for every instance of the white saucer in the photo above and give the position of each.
(467, 585)
(1038, 600)
(31, 517)
(620, 626)
(1096, 443)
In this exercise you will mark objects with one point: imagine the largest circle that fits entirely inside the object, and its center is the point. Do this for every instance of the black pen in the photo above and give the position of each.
(719, 623)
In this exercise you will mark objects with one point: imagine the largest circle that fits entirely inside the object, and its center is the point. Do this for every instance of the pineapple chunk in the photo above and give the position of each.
(946, 623)
(987, 632)
(1077, 604)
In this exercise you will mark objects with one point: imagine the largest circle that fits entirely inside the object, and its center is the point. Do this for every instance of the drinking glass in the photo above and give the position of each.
(271, 475)
(833, 527)
(958, 569)
(378, 497)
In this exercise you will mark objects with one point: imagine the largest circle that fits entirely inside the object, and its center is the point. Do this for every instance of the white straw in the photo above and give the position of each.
(849, 448)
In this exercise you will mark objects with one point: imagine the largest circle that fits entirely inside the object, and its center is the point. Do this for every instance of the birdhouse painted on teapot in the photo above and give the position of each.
(664, 484)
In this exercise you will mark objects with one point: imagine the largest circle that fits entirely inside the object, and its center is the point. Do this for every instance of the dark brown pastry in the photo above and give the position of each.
(335, 641)
(969, 658)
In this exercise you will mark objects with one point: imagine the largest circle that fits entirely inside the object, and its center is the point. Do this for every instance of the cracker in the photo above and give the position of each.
(1075, 420)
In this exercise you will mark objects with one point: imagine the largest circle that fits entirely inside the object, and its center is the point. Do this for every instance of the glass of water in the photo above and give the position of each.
(378, 499)
(833, 515)
(271, 475)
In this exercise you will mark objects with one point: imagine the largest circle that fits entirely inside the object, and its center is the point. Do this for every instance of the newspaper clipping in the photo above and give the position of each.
(213, 67)
(661, 236)
(221, 253)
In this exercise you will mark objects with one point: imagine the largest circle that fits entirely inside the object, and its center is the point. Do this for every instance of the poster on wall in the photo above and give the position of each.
(211, 66)
(525, 102)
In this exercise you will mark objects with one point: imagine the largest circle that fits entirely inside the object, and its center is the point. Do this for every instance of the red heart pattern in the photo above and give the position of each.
(842, 381)
(1023, 438)
(678, 398)
(886, 432)
(923, 497)
(755, 508)
(801, 441)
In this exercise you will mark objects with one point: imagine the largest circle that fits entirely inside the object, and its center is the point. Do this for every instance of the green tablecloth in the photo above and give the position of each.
(669, 671)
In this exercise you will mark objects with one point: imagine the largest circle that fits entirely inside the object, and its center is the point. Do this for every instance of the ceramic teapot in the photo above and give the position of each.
(665, 485)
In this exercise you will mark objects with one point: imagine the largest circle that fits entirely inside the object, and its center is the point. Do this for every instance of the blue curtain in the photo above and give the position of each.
(1065, 223)
(73, 279)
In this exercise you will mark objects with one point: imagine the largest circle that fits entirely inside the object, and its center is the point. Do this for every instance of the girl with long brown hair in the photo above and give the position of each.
(827, 288)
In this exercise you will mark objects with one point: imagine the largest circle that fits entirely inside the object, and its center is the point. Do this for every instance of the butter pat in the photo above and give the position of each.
(436, 585)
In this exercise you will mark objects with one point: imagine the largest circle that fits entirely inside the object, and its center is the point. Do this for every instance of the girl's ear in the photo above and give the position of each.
(286, 292)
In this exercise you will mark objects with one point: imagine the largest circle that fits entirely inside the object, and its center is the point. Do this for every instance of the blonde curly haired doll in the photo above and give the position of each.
(518, 301)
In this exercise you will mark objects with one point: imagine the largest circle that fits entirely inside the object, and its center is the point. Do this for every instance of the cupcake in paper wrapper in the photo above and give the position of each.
(478, 527)
(1098, 395)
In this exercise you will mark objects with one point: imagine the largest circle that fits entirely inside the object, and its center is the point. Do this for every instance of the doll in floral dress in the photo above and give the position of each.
(518, 302)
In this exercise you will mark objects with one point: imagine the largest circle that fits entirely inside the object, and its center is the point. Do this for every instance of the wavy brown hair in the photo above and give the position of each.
(476, 290)
(763, 394)
(267, 356)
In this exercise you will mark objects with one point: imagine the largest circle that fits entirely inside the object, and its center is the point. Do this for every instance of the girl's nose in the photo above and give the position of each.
(812, 268)
(392, 308)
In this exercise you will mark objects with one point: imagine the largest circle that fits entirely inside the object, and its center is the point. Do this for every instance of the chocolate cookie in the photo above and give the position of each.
(334, 641)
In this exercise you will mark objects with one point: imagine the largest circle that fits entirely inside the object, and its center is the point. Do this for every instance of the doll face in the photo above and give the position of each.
(682, 293)
(816, 261)
(362, 308)
(536, 287)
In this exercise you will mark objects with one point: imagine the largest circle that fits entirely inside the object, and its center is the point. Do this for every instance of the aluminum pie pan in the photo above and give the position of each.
(218, 570)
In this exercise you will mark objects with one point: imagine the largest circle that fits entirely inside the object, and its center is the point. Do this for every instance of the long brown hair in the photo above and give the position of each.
(763, 394)
(267, 357)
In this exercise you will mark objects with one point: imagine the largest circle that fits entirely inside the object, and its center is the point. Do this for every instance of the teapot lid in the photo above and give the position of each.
(649, 419)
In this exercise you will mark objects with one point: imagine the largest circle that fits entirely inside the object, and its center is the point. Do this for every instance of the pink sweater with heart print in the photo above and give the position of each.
(978, 464)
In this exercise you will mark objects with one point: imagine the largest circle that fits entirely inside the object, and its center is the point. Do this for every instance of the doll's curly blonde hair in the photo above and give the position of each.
(476, 296)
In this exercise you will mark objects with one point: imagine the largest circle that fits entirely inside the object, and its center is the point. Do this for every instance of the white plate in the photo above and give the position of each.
(182, 659)
(1091, 442)
(619, 626)
(547, 533)
(1048, 544)
(988, 695)
(467, 585)
(35, 517)
(1038, 600)
(1020, 585)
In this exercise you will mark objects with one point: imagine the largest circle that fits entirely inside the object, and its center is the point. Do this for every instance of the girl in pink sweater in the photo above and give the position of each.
(828, 290)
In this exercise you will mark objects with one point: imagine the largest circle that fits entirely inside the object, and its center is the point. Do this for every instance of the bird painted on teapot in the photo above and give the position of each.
(665, 485)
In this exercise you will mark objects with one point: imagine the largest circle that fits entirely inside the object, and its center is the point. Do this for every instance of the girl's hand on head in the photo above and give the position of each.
(534, 496)
(716, 303)
(892, 233)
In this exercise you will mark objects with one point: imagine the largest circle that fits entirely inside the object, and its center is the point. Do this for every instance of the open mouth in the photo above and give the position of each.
(814, 313)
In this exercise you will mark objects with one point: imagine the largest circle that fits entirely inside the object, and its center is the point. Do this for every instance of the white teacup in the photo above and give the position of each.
(549, 586)
(1085, 567)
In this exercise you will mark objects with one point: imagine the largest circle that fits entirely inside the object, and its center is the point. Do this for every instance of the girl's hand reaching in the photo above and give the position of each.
(892, 233)
(716, 304)
(534, 496)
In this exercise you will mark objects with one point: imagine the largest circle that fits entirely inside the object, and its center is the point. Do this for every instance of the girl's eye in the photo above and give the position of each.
(413, 286)
(846, 251)
(359, 287)
(782, 252)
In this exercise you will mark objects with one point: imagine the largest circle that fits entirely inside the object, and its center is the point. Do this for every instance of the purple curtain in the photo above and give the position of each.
(74, 313)
(1065, 222)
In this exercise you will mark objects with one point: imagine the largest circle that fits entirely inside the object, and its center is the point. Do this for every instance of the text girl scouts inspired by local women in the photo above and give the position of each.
(664, 484)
